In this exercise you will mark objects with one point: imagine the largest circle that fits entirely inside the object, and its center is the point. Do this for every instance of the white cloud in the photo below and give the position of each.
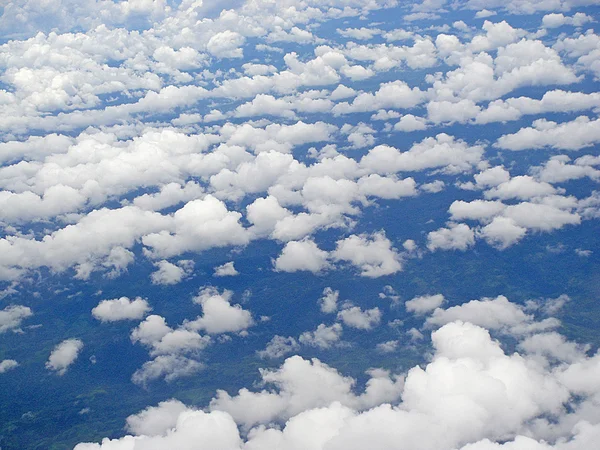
(302, 255)
(355, 317)
(278, 347)
(218, 314)
(424, 304)
(225, 270)
(302, 384)
(387, 346)
(121, 309)
(156, 420)
(8, 364)
(169, 367)
(456, 237)
(521, 187)
(12, 316)
(493, 314)
(328, 302)
(372, 254)
(471, 395)
(169, 273)
(482, 210)
(555, 20)
(502, 232)
(574, 135)
(395, 94)
(226, 44)
(199, 225)
(63, 355)
(323, 336)
(433, 152)
(408, 123)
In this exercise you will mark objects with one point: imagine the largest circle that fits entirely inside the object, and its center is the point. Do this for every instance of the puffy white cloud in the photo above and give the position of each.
(558, 170)
(450, 112)
(156, 420)
(278, 347)
(169, 273)
(328, 302)
(72, 245)
(386, 187)
(171, 350)
(408, 123)
(502, 232)
(540, 216)
(12, 316)
(169, 367)
(199, 225)
(121, 309)
(218, 314)
(458, 236)
(552, 101)
(387, 346)
(302, 255)
(8, 364)
(521, 187)
(470, 395)
(492, 177)
(555, 20)
(302, 384)
(355, 317)
(226, 44)
(373, 255)
(424, 304)
(226, 270)
(493, 314)
(395, 94)
(323, 336)
(63, 355)
(482, 210)
(433, 152)
(574, 135)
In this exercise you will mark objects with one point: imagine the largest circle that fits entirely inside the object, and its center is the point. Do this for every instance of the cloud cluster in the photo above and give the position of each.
(471, 395)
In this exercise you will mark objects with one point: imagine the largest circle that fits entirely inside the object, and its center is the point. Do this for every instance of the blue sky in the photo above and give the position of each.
(319, 224)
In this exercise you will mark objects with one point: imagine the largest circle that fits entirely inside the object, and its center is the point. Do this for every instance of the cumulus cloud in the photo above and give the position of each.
(493, 314)
(226, 270)
(574, 135)
(63, 355)
(478, 395)
(12, 316)
(323, 336)
(121, 309)
(355, 317)
(329, 301)
(458, 236)
(373, 255)
(169, 273)
(302, 255)
(218, 314)
(433, 152)
(424, 304)
(8, 364)
(279, 346)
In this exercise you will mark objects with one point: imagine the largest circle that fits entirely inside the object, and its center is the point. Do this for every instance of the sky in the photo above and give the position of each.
(299, 224)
